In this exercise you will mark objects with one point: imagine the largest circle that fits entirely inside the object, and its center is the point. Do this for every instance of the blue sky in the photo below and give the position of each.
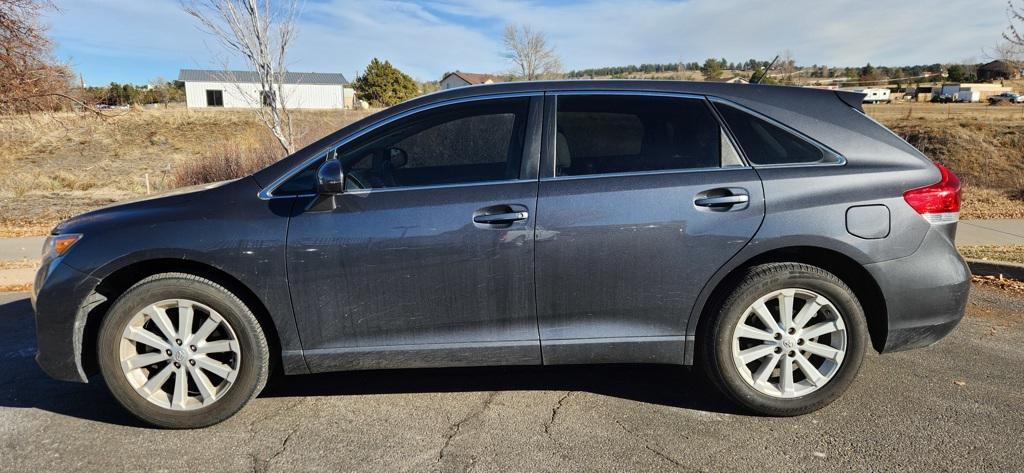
(137, 40)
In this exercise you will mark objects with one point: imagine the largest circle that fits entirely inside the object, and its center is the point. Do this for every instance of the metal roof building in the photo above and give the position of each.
(241, 89)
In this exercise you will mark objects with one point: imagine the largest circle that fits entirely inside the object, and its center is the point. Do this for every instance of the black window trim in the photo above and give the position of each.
(548, 161)
(267, 192)
(840, 160)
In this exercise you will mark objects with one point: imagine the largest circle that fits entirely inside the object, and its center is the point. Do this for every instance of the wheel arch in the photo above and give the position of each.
(120, 280)
(864, 286)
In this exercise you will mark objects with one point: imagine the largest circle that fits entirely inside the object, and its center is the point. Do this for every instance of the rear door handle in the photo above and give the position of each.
(723, 201)
(506, 217)
(500, 216)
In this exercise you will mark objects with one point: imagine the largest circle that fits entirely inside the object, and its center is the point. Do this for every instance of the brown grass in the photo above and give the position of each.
(18, 264)
(16, 287)
(226, 162)
(983, 145)
(1013, 254)
(981, 202)
(52, 168)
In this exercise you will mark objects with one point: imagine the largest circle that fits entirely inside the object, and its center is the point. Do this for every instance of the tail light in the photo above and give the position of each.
(939, 202)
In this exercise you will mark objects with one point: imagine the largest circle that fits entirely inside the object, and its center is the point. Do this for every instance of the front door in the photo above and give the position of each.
(426, 259)
(644, 200)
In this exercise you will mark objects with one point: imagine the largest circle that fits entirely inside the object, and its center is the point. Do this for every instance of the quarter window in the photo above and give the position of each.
(600, 134)
(766, 143)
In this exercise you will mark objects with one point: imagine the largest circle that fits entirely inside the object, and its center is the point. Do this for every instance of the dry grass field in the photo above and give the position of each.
(983, 144)
(55, 167)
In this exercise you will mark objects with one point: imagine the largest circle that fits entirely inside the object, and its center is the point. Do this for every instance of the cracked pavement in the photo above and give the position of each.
(958, 405)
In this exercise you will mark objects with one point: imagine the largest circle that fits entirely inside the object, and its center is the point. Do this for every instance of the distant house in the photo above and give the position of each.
(462, 79)
(732, 80)
(241, 89)
(998, 70)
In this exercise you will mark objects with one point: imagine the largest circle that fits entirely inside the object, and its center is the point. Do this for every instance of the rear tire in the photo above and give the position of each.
(748, 343)
(180, 351)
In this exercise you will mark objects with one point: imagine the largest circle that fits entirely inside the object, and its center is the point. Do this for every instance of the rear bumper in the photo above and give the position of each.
(925, 293)
(62, 299)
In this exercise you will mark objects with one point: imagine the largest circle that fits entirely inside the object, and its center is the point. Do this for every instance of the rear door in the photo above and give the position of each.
(427, 257)
(642, 198)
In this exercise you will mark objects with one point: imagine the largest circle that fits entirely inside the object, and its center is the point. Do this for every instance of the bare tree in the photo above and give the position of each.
(30, 78)
(159, 90)
(1008, 52)
(529, 51)
(1015, 31)
(260, 31)
(786, 66)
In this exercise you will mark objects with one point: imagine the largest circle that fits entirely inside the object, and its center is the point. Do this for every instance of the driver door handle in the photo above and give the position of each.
(500, 216)
(506, 217)
(722, 201)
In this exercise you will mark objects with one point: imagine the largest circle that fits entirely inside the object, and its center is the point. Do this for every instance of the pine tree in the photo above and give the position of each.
(383, 85)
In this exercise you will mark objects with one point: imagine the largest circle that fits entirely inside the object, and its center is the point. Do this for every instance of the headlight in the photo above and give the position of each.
(58, 245)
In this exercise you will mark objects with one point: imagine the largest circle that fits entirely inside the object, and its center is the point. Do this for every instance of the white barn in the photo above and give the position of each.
(241, 89)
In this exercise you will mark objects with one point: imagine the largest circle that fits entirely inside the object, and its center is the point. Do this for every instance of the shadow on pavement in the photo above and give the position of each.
(24, 385)
(674, 386)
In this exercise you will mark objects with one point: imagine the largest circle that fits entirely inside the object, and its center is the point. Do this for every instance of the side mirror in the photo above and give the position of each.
(330, 179)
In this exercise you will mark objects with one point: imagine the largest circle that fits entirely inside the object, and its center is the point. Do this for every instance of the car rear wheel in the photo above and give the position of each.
(180, 351)
(789, 339)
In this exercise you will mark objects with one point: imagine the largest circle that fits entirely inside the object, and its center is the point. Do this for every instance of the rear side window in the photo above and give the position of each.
(766, 143)
(601, 134)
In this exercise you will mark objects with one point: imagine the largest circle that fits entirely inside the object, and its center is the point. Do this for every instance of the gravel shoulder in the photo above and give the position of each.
(953, 406)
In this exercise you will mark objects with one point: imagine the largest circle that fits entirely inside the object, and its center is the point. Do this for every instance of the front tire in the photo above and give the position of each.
(180, 351)
(787, 341)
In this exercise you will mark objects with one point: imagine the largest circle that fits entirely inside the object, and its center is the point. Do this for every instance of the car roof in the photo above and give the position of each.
(720, 89)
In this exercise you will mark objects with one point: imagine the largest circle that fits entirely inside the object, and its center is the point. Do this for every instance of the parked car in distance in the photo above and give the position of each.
(1006, 97)
(944, 98)
(769, 234)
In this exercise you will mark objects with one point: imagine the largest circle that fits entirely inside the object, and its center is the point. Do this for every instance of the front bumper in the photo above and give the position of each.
(925, 293)
(62, 298)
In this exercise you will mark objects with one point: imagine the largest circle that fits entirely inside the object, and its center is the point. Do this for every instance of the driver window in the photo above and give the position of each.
(463, 143)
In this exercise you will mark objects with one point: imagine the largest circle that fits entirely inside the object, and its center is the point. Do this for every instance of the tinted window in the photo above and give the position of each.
(473, 142)
(766, 143)
(214, 98)
(598, 134)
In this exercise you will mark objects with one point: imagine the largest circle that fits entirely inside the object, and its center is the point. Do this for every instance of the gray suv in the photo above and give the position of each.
(770, 234)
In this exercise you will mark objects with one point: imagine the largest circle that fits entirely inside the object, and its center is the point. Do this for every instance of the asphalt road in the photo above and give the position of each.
(958, 405)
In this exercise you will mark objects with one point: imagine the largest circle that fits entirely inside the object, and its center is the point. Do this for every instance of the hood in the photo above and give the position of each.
(109, 212)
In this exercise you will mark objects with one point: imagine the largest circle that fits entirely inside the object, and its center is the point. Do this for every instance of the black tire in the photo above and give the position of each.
(253, 368)
(715, 340)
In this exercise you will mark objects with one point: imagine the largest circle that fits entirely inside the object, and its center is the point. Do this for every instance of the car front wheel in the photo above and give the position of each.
(787, 341)
(180, 351)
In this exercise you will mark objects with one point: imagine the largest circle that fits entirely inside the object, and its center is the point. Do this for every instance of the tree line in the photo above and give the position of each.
(158, 91)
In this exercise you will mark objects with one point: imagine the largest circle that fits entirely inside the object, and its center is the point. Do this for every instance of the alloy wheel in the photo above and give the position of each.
(180, 354)
(789, 343)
